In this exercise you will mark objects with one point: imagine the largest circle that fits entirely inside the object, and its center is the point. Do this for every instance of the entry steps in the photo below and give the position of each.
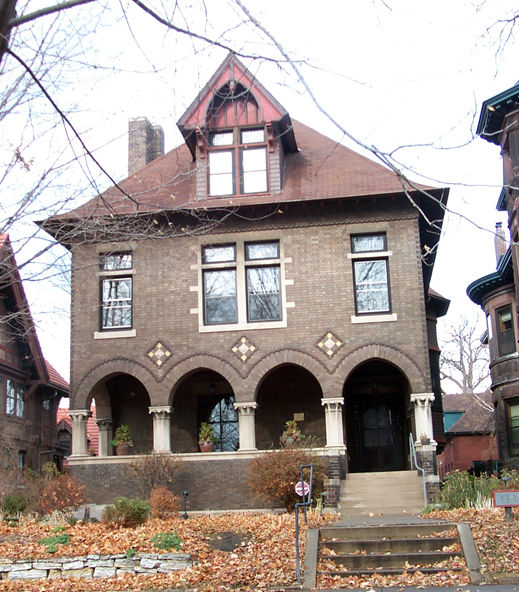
(381, 493)
(390, 549)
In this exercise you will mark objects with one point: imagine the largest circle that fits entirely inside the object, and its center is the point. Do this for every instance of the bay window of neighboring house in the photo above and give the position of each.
(115, 288)
(237, 162)
(505, 331)
(513, 425)
(241, 283)
(14, 401)
(371, 273)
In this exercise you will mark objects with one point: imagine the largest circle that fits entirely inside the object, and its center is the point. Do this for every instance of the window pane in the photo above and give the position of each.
(218, 254)
(513, 418)
(252, 136)
(117, 304)
(505, 331)
(116, 261)
(254, 170)
(221, 139)
(263, 294)
(220, 296)
(368, 242)
(220, 162)
(371, 286)
(221, 180)
(11, 398)
(224, 420)
(19, 401)
(262, 251)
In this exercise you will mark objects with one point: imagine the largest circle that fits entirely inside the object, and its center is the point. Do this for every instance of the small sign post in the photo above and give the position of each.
(507, 499)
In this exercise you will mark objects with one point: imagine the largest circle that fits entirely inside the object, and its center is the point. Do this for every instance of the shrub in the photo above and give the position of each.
(166, 541)
(460, 489)
(52, 542)
(14, 504)
(58, 493)
(153, 470)
(163, 502)
(127, 512)
(272, 476)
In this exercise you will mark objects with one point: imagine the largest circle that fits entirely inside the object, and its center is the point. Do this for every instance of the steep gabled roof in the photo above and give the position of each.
(11, 280)
(322, 169)
(478, 415)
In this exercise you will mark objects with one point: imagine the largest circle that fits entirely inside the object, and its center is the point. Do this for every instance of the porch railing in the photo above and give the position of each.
(414, 465)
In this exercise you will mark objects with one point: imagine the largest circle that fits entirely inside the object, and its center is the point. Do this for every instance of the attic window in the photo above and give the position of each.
(238, 161)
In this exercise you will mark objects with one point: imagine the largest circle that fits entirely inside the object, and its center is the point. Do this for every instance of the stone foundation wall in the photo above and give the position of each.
(93, 566)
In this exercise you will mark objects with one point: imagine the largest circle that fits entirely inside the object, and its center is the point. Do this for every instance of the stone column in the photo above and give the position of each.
(161, 427)
(105, 436)
(79, 431)
(333, 417)
(247, 424)
(422, 416)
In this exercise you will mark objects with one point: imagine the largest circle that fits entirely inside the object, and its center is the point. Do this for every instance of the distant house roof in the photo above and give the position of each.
(478, 415)
(11, 280)
(503, 275)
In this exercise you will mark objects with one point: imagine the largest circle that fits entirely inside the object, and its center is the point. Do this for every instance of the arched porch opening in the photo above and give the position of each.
(289, 392)
(377, 419)
(204, 396)
(125, 401)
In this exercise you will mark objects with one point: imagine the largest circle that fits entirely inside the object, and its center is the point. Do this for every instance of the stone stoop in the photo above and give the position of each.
(382, 493)
(388, 550)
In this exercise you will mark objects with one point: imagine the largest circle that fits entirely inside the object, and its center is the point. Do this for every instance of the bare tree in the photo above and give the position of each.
(464, 361)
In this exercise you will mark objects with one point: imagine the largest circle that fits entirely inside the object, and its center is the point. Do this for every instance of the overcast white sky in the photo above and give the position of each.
(400, 75)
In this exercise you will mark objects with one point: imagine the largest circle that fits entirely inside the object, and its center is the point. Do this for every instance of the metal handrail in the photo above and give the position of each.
(307, 500)
(416, 466)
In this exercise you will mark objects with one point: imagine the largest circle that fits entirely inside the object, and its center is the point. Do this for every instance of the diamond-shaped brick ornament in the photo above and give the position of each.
(244, 349)
(330, 344)
(159, 354)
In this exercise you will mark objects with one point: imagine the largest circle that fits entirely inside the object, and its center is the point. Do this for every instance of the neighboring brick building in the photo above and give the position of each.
(258, 273)
(30, 388)
(470, 433)
(498, 292)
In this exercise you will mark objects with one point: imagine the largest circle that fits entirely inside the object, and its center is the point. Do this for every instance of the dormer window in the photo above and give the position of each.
(237, 161)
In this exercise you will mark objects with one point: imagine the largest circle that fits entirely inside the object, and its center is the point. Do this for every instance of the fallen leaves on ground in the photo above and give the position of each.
(266, 560)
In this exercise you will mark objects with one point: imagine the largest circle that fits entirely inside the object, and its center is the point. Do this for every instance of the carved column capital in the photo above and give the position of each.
(104, 424)
(160, 410)
(246, 408)
(79, 414)
(422, 399)
(332, 403)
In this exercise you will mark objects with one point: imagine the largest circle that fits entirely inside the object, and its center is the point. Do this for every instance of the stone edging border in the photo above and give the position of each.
(92, 566)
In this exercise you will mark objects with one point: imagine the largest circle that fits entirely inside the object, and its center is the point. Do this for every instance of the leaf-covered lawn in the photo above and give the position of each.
(264, 559)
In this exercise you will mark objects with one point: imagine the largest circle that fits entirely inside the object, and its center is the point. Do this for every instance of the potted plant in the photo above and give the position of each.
(122, 441)
(206, 437)
(291, 436)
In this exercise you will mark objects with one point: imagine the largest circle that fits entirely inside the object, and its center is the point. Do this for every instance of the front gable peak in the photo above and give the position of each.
(234, 97)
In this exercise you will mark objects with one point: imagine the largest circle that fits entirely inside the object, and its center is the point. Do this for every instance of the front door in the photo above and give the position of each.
(375, 434)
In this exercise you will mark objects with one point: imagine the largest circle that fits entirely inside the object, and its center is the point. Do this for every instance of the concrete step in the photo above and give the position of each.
(387, 545)
(374, 561)
(389, 531)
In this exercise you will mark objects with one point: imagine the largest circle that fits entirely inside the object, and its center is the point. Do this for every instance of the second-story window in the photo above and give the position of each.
(116, 291)
(14, 402)
(238, 162)
(505, 331)
(370, 273)
(241, 284)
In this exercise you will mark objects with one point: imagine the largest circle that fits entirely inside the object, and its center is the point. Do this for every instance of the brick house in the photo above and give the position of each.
(469, 422)
(30, 388)
(498, 292)
(258, 273)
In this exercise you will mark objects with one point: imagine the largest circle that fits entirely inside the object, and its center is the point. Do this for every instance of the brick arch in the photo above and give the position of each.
(375, 351)
(200, 362)
(106, 369)
(286, 356)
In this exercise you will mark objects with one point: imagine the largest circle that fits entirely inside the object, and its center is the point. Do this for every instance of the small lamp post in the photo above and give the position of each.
(184, 515)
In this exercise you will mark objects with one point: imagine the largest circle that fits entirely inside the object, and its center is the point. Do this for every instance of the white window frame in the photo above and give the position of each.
(241, 264)
(107, 275)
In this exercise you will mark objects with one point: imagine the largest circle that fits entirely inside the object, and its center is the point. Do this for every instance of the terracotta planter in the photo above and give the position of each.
(122, 449)
(206, 446)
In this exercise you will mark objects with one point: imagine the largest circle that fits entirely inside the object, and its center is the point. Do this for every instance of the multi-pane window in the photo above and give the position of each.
(370, 273)
(14, 402)
(116, 291)
(224, 420)
(513, 425)
(505, 331)
(238, 162)
(241, 285)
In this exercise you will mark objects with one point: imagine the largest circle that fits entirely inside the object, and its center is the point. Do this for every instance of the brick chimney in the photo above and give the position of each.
(499, 242)
(145, 143)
